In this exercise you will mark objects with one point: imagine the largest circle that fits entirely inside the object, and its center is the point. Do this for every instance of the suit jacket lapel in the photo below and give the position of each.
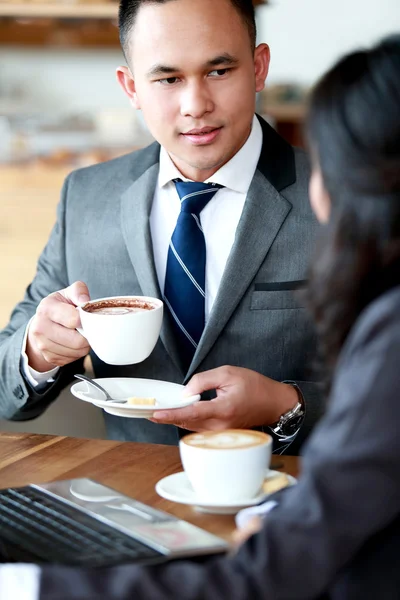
(264, 213)
(135, 222)
(135, 213)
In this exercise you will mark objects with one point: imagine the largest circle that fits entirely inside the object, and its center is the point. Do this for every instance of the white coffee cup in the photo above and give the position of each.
(122, 330)
(226, 466)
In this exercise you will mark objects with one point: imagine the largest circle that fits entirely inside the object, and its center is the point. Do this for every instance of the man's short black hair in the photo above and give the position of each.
(128, 10)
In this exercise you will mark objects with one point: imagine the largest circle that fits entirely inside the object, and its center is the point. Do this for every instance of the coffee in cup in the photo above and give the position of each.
(122, 330)
(118, 306)
(226, 466)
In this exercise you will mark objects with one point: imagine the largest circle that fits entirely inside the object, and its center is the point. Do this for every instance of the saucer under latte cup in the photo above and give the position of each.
(122, 330)
(226, 466)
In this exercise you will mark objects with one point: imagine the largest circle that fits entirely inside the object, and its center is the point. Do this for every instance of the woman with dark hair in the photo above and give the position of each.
(336, 534)
(354, 137)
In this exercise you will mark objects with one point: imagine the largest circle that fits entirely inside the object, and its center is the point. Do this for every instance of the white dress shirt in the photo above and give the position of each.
(19, 582)
(219, 220)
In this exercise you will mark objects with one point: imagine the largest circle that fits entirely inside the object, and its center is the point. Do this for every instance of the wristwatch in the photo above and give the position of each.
(290, 422)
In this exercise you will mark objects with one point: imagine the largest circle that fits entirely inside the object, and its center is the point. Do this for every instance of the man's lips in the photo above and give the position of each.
(201, 130)
(202, 136)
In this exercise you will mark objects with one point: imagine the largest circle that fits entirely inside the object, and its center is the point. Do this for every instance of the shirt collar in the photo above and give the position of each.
(235, 175)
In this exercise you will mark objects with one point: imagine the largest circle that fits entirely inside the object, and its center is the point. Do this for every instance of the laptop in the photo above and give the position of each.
(81, 522)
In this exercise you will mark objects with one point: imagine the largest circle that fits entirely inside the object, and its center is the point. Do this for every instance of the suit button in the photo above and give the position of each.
(18, 392)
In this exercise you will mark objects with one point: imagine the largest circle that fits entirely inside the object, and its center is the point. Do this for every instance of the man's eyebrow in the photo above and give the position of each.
(224, 59)
(221, 60)
(156, 70)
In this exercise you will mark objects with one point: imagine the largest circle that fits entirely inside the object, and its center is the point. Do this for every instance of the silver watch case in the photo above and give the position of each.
(290, 422)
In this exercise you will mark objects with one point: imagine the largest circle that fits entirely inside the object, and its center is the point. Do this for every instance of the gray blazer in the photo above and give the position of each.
(335, 535)
(102, 237)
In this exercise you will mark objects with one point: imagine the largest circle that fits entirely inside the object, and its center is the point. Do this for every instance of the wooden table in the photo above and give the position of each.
(130, 468)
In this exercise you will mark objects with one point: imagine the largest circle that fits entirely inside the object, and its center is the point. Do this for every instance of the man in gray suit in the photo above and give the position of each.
(194, 71)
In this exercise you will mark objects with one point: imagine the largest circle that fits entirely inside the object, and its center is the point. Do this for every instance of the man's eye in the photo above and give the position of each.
(168, 80)
(219, 72)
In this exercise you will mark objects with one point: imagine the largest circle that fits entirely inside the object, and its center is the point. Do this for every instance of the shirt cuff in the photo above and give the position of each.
(20, 581)
(261, 510)
(34, 378)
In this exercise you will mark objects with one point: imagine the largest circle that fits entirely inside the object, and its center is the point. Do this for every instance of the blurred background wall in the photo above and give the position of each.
(61, 108)
(305, 36)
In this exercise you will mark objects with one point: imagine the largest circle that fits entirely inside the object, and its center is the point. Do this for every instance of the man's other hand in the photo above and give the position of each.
(244, 399)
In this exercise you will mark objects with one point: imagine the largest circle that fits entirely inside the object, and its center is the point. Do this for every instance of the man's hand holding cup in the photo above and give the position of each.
(121, 330)
(53, 340)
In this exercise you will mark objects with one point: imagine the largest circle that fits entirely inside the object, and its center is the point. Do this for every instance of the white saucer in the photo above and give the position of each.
(168, 395)
(178, 489)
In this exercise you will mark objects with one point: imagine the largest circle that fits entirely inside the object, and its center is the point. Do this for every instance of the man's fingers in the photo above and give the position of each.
(185, 417)
(59, 360)
(46, 346)
(210, 380)
(54, 343)
(52, 336)
(57, 353)
(47, 330)
(77, 293)
(52, 310)
(60, 307)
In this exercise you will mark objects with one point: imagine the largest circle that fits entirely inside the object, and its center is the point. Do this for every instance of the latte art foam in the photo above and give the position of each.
(226, 439)
(117, 310)
(118, 306)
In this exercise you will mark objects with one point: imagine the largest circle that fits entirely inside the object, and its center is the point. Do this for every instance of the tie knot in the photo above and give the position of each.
(195, 195)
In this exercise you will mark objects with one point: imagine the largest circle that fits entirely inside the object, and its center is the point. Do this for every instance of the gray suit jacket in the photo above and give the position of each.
(102, 237)
(335, 535)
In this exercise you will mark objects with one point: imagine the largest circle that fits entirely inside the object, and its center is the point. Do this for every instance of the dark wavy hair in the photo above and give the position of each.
(128, 10)
(353, 131)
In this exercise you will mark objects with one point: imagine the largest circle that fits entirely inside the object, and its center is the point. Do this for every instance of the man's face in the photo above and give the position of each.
(194, 76)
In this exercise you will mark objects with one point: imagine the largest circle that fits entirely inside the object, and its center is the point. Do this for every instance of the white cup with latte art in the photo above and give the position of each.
(122, 330)
(226, 466)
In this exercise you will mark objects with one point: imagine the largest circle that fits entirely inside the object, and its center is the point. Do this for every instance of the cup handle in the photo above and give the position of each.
(80, 330)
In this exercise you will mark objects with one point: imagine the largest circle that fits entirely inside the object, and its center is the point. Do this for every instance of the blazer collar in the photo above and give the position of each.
(277, 161)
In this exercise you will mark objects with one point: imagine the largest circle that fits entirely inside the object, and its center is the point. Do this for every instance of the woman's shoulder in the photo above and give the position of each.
(378, 322)
(369, 365)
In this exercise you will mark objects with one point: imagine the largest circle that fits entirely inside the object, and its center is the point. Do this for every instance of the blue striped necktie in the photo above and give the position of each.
(184, 291)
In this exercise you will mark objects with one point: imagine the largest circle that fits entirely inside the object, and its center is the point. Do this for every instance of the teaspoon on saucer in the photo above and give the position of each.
(99, 387)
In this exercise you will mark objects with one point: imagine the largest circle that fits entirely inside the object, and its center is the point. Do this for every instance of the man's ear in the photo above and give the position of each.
(262, 58)
(127, 82)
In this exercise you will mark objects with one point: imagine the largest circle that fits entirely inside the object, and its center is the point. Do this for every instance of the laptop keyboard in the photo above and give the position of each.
(50, 531)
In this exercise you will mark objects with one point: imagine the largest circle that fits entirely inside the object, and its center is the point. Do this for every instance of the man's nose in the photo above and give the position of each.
(196, 100)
